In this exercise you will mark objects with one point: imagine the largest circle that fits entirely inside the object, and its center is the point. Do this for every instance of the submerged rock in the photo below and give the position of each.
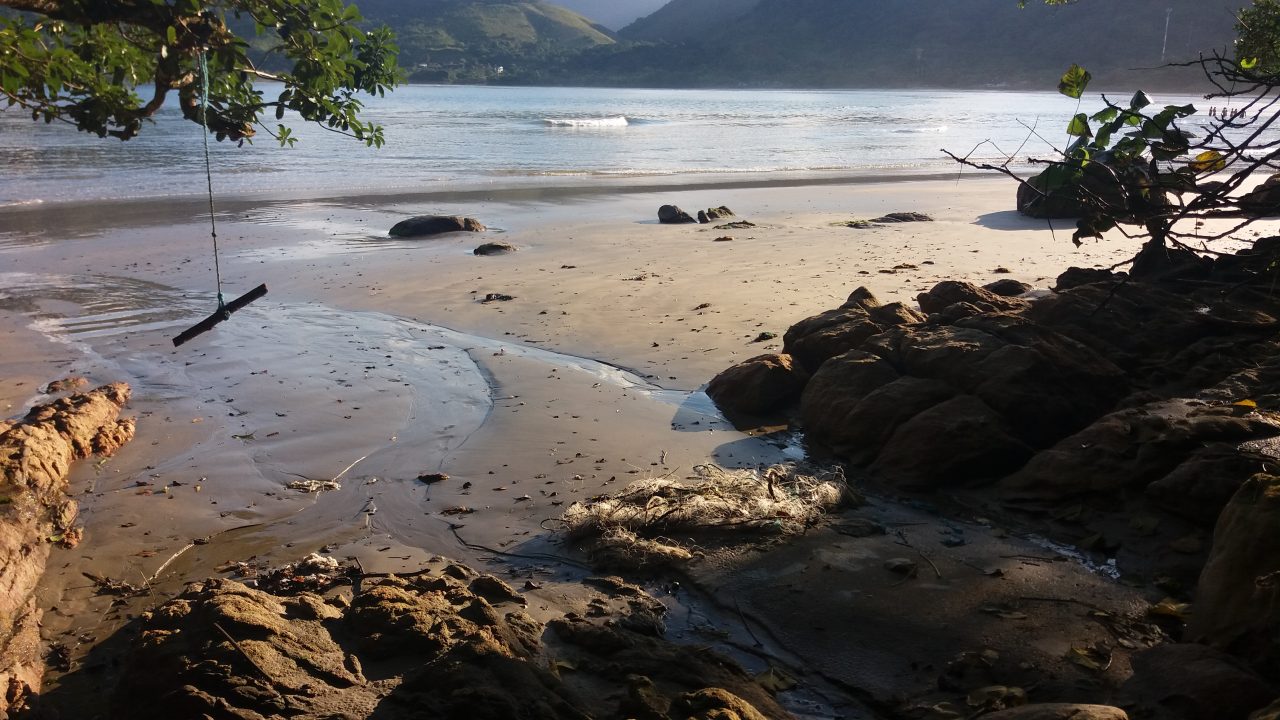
(427, 225)
(1059, 711)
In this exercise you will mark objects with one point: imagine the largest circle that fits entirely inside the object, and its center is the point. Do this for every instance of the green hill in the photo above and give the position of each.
(482, 40)
(907, 43)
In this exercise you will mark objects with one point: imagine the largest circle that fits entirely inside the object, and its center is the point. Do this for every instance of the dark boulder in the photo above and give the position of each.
(427, 225)
(815, 340)
(953, 443)
(672, 215)
(1008, 287)
(1187, 681)
(760, 386)
(1237, 604)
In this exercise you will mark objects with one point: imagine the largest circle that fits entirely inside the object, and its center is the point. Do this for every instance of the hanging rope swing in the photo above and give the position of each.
(224, 308)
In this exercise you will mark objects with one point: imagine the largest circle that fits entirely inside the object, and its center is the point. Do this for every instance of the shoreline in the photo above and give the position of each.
(333, 365)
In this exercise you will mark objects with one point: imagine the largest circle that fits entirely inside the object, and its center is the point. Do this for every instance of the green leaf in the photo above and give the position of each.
(1106, 115)
(1074, 81)
(171, 35)
(1079, 126)
(1248, 63)
(1139, 101)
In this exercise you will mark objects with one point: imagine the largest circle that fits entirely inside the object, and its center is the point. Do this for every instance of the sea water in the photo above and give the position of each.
(445, 137)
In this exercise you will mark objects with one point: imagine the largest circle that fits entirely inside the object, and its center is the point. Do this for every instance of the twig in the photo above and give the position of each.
(540, 557)
(246, 656)
(172, 557)
(746, 625)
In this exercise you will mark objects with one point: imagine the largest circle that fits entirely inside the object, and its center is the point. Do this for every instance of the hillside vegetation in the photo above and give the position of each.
(482, 40)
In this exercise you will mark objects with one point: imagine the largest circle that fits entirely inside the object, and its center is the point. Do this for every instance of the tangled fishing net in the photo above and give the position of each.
(634, 527)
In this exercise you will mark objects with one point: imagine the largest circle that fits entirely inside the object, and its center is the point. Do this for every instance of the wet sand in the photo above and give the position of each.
(373, 361)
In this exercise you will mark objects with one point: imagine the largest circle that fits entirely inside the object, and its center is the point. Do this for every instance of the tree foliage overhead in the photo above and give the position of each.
(106, 66)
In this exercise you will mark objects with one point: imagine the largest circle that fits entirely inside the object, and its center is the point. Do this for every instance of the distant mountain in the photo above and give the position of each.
(906, 43)
(482, 40)
(612, 14)
(686, 20)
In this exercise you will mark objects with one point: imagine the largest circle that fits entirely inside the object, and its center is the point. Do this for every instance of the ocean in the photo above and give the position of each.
(455, 137)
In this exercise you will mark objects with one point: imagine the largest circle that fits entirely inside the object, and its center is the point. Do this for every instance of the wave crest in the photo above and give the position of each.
(588, 122)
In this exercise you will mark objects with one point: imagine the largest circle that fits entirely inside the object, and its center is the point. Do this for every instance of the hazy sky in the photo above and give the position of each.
(613, 14)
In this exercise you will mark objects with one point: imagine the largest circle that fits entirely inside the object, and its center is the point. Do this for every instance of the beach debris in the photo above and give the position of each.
(902, 217)
(702, 306)
(110, 586)
(672, 215)
(892, 218)
(457, 510)
(635, 527)
(497, 297)
(901, 566)
(425, 225)
(765, 337)
(495, 248)
(736, 225)
(309, 486)
(640, 278)
(724, 238)
(314, 573)
(432, 478)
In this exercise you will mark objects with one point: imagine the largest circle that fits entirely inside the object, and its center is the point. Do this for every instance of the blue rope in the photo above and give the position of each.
(208, 175)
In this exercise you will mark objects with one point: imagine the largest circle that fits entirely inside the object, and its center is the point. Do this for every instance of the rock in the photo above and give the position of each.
(950, 444)
(1059, 711)
(497, 297)
(1237, 603)
(736, 225)
(1270, 712)
(760, 386)
(427, 225)
(36, 454)
(1264, 199)
(65, 385)
(1131, 448)
(1193, 682)
(714, 704)
(719, 213)
(815, 340)
(495, 248)
(1075, 277)
(702, 217)
(1200, 487)
(672, 215)
(1008, 287)
(950, 292)
(857, 426)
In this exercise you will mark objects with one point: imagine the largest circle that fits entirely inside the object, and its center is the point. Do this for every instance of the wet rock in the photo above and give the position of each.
(1008, 287)
(428, 225)
(760, 386)
(1237, 604)
(495, 591)
(950, 292)
(1059, 711)
(1193, 682)
(952, 443)
(36, 454)
(672, 215)
(495, 248)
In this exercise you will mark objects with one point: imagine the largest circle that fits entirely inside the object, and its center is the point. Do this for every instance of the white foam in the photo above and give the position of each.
(589, 122)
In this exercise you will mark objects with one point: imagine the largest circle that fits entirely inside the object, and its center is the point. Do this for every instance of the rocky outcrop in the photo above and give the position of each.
(1008, 287)
(448, 643)
(1101, 389)
(1237, 604)
(36, 454)
(672, 215)
(428, 225)
(760, 386)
